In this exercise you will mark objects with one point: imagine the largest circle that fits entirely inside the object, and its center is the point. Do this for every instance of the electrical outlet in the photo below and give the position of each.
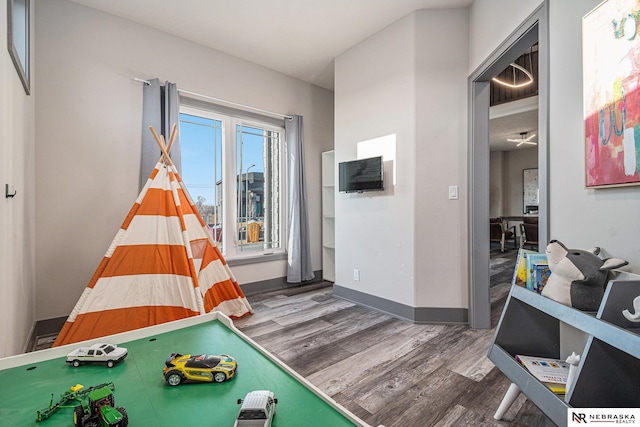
(356, 275)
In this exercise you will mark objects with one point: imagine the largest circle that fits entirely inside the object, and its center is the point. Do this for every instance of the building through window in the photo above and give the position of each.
(233, 169)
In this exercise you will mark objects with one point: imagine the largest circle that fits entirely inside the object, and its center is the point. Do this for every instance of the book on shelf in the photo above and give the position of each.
(552, 373)
(541, 274)
(537, 271)
(520, 270)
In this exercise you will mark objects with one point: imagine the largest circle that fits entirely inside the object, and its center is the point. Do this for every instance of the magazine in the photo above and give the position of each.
(551, 372)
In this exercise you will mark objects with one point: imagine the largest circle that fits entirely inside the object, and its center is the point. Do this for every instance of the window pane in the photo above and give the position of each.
(257, 184)
(201, 151)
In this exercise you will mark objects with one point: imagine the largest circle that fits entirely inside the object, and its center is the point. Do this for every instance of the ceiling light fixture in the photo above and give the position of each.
(515, 85)
(523, 139)
(514, 67)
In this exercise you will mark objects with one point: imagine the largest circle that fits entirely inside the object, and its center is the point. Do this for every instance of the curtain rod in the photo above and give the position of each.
(285, 116)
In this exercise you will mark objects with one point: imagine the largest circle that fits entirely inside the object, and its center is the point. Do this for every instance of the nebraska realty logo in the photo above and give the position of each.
(582, 416)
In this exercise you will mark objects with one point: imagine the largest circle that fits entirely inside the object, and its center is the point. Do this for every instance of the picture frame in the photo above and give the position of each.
(611, 48)
(530, 191)
(18, 39)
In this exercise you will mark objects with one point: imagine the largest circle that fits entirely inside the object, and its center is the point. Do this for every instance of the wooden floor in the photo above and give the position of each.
(385, 370)
(388, 371)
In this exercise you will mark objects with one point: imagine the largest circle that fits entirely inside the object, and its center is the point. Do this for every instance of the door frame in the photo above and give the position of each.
(533, 29)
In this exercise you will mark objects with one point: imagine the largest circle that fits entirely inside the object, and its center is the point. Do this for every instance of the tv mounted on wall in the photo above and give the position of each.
(361, 175)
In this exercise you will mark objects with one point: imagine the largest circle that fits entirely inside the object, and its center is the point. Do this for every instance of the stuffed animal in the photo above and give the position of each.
(578, 277)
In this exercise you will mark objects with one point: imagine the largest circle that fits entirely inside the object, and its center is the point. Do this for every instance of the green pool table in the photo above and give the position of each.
(29, 381)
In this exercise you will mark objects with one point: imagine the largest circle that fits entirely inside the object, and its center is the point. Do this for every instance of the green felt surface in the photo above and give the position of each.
(149, 401)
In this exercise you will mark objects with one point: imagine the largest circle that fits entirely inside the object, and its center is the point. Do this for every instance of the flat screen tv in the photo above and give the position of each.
(361, 175)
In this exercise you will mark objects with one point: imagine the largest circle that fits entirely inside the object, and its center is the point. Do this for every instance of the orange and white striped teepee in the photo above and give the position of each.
(163, 265)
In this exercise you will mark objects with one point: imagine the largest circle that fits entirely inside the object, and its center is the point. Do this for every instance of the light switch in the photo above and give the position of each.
(453, 192)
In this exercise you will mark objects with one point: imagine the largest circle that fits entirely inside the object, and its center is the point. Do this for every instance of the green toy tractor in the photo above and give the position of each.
(98, 411)
(95, 409)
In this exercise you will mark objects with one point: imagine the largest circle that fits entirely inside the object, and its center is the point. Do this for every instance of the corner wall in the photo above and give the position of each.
(441, 159)
(89, 128)
(505, 181)
(515, 162)
(403, 87)
(496, 184)
(491, 22)
(579, 217)
(375, 92)
(17, 214)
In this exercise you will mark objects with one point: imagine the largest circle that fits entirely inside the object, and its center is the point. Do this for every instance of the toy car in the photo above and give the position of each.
(203, 367)
(257, 410)
(109, 354)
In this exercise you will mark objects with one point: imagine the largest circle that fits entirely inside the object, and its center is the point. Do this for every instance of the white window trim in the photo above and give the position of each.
(230, 240)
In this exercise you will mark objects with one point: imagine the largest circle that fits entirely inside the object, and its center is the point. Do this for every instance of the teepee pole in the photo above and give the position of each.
(160, 141)
(172, 137)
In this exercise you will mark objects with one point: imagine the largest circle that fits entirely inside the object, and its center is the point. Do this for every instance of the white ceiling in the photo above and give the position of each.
(299, 38)
(510, 127)
(509, 120)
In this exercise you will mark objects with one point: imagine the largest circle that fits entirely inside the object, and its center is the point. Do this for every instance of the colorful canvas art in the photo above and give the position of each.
(611, 78)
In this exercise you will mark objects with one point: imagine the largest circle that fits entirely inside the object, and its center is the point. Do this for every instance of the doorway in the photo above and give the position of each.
(533, 30)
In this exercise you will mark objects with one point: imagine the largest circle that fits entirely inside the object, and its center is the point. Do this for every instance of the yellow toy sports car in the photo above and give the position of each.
(202, 367)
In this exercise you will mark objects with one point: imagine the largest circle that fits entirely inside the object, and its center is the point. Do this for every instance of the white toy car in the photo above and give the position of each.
(109, 354)
(257, 410)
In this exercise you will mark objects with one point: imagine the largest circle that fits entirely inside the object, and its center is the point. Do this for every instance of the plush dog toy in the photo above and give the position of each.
(578, 277)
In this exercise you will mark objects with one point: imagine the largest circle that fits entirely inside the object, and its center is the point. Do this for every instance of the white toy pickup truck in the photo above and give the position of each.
(257, 410)
(109, 354)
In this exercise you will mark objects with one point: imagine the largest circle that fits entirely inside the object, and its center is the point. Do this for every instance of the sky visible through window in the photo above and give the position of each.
(201, 151)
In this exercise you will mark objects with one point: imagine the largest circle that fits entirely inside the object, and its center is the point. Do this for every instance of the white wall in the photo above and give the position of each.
(400, 82)
(515, 161)
(582, 218)
(496, 184)
(375, 87)
(88, 127)
(441, 157)
(17, 214)
(505, 180)
(491, 22)
(579, 217)
(88, 130)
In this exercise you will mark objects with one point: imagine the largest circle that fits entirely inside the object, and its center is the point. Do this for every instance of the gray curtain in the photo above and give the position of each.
(299, 268)
(160, 109)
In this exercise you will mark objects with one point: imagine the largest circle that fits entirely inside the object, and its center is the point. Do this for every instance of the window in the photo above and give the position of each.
(233, 169)
(18, 17)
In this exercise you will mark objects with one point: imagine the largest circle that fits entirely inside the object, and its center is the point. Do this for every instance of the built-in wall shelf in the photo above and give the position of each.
(328, 216)
(609, 371)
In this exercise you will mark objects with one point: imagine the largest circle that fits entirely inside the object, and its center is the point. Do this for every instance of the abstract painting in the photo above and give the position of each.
(611, 79)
